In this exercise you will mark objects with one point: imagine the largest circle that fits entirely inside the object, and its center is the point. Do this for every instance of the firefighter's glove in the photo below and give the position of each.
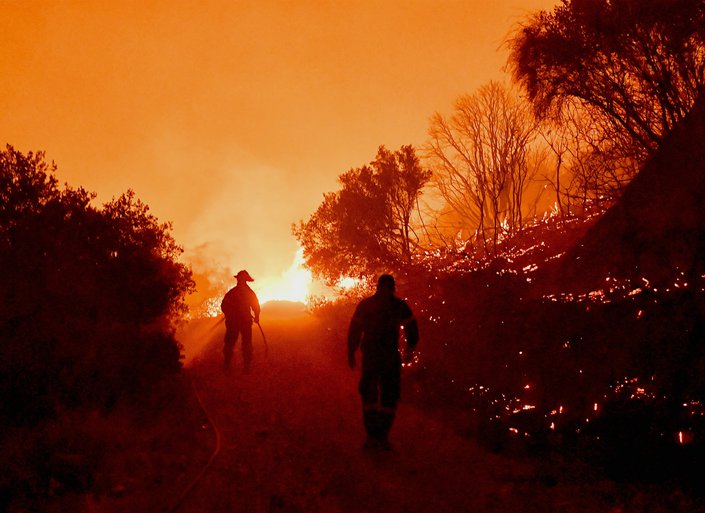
(351, 360)
(256, 320)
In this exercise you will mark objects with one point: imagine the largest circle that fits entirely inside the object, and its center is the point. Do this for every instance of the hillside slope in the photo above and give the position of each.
(658, 225)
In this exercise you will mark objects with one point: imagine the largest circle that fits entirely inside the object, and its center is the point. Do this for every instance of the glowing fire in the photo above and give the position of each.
(346, 282)
(292, 285)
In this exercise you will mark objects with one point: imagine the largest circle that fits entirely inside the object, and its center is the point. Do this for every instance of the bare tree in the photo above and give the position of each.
(557, 141)
(590, 162)
(480, 157)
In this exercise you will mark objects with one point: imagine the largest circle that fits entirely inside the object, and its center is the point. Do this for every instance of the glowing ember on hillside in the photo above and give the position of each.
(292, 285)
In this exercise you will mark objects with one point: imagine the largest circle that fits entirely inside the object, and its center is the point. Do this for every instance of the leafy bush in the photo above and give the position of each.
(87, 297)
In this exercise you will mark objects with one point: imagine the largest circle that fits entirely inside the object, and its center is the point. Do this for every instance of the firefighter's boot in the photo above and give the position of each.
(385, 419)
(227, 358)
(370, 418)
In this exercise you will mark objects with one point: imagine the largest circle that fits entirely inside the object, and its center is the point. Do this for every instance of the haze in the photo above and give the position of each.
(232, 118)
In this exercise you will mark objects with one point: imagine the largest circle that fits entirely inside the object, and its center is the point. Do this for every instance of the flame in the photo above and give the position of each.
(291, 285)
(346, 282)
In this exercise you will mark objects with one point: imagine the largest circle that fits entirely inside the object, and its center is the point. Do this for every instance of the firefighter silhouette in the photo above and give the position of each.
(241, 307)
(375, 329)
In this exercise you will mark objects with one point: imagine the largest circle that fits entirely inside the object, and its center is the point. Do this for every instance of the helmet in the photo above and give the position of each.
(244, 276)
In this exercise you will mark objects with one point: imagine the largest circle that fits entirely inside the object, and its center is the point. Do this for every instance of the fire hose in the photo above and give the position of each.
(264, 339)
(179, 502)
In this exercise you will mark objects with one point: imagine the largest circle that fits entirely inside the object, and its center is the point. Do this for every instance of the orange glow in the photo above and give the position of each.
(685, 437)
(347, 283)
(231, 118)
(292, 285)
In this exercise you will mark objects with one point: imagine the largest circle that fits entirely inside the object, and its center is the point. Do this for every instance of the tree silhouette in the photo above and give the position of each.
(589, 168)
(367, 225)
(482, 159)
(635, 66)
(88, 296)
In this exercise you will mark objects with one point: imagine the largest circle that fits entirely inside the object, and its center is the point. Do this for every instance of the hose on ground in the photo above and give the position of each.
(179, 502)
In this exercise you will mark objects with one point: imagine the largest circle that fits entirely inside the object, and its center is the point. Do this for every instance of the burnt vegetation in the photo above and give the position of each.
(559, 266)
(549, 236)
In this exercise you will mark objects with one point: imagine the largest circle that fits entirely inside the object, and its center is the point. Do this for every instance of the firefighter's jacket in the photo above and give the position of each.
(239, 304)
(375, 328)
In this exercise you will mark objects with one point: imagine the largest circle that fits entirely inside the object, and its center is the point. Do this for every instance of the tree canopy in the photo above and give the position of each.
(367, 224)
(88, 295)
(635, 66)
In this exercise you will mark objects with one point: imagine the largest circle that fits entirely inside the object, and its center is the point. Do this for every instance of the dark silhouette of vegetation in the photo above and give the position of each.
(367, 225)
(617, 378)
(581, 337)
(634, 67)
(565, 345)
(483, 161)
(87, 295)
(589, 170)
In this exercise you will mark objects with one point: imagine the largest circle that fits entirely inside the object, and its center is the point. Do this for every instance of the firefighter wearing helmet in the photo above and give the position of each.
(375, 329)
(240, 306)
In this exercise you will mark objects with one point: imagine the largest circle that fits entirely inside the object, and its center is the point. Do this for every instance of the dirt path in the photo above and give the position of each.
(292, 436)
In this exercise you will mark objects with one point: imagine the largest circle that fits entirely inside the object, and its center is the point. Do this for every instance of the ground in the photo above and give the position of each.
(291, 441)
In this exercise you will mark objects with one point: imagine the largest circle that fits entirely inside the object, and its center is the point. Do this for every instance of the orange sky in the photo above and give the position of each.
(232, 118)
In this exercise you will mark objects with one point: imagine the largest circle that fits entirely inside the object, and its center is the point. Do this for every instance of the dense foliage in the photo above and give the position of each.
(366, 226)
(87, 296)
(634, 66)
